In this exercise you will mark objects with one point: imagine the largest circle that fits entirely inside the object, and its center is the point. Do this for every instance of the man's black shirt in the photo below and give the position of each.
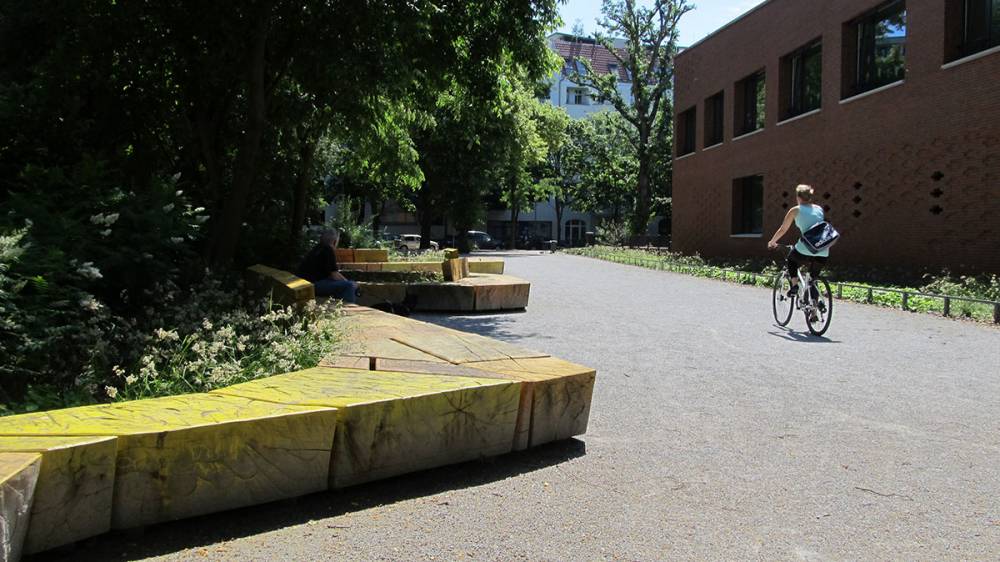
(318, 263)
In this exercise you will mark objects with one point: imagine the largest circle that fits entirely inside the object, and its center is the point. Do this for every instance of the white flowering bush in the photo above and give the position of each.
(71, 336)
(199, 352)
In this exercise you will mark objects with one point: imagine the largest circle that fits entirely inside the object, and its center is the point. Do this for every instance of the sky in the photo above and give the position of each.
(708, 16)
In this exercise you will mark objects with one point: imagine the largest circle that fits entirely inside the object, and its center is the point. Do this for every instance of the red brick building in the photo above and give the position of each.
(891, 110)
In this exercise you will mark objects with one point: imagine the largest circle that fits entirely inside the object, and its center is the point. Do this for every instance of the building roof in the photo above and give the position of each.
(756, 8)
(599, 57)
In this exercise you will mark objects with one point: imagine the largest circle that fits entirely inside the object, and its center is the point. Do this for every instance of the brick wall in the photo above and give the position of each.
(911, 174)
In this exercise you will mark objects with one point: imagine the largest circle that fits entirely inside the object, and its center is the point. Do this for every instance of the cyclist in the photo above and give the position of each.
(804, 215)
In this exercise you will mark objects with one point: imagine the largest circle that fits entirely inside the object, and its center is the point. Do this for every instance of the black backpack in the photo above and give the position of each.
(820, 236)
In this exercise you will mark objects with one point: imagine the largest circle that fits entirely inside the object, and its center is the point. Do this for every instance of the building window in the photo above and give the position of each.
(802, 80)
(748, 205)
(714, 120)
(613, 69)
(751, 98)
(574, 232)
(577, 96)
(973, 26)
(879, 48)
(686, 125)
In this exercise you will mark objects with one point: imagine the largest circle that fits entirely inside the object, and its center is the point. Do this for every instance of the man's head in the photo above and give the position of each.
(329, 238)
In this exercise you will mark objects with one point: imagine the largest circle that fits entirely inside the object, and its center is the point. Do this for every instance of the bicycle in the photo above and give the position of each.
(816, 302)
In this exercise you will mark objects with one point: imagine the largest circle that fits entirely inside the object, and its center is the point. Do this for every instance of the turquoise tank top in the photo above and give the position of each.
(808, 216)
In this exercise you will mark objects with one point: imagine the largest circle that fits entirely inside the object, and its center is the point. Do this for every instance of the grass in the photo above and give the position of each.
(761, 274)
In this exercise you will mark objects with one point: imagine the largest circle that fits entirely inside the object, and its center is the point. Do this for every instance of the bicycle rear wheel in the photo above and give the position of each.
(823, 309)
(782, 304)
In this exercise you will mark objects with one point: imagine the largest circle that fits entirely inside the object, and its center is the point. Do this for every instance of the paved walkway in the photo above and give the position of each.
(714, 435)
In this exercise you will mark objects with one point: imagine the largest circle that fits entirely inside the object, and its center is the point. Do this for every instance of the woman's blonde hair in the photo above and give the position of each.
(805, 192)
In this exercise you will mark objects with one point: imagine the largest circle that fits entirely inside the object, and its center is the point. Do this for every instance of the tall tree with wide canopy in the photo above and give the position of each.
(650, 36)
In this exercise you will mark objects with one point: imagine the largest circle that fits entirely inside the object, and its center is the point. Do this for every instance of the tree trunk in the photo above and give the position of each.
(229, 226)
(560, 207)
(643, 200)
(307, 153)
(514, 213)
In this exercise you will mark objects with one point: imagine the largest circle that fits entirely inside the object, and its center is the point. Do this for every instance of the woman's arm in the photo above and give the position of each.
(785, 225)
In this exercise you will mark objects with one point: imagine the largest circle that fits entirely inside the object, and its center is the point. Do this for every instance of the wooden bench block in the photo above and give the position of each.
(195, 454)
(452, 270)
(485, 265)
(450, 297)
(285, 287)
(367, 255)
(395, 423)
(417, 266)
(559, 394)
(73, 498)
(460, 347)
(499, 292)
(379, 293)
(356, 266)
(451, 254)
(18, 477)
(344, 255)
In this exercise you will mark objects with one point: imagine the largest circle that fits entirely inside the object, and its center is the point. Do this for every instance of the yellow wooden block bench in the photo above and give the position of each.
(284, 287)
(18, 476)
(394, 423)
(73, 498)
(194, 454)
(556, 394)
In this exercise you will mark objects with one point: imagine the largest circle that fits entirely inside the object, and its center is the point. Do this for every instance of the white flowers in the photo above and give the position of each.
(106, 232)
(168, 208)
(176, 239)
(106, 220)
(111, 391)
(87, 270)
(88, 303)
(167, 335)
(131, 379)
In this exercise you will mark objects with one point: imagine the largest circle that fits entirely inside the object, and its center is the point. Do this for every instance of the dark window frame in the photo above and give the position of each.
(715, 119)
(750, 107)
(867, 73)
(799, 98)
(748, 206)
(687, 126)
(991, 24)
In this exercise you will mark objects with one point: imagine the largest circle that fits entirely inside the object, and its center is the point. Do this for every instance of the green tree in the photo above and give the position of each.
(650, 36)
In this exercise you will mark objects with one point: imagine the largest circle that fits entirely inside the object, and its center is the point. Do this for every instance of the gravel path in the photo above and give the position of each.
(714, 434)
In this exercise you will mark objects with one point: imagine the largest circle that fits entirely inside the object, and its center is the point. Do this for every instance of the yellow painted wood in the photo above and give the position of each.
(459, 347)
(486, 265)
(394, 423)
(379, 293)
(18, 476)
(73, 499)
(451, 254)
(452, 269)
(194, 454)
(423, 267)
(560, 394)
(499, 292)
(285, 287)
(370, 255)
(344, 255)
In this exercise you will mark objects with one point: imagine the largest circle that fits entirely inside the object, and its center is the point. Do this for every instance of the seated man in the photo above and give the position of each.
(320, 268)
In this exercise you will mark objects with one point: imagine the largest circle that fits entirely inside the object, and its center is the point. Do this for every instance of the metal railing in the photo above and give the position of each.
(749, 277)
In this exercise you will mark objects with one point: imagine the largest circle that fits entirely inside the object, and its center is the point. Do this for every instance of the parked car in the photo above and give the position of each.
(411, 243)
(477, 240)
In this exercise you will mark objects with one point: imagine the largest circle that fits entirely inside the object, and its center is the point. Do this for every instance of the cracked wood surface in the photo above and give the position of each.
(195, 454)
(393, 423)
(73, 498)
(18, 477)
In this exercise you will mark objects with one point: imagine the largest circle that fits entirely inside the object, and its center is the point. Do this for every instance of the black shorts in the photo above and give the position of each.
(796, 260)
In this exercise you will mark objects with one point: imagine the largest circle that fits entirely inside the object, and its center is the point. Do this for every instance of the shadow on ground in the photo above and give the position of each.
(220, 527)
(490, 324)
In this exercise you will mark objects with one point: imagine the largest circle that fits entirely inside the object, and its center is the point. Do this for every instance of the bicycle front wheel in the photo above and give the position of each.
(822, 313)
(782, 304)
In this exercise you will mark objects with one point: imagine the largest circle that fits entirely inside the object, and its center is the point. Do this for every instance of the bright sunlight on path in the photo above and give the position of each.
(713, 435)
